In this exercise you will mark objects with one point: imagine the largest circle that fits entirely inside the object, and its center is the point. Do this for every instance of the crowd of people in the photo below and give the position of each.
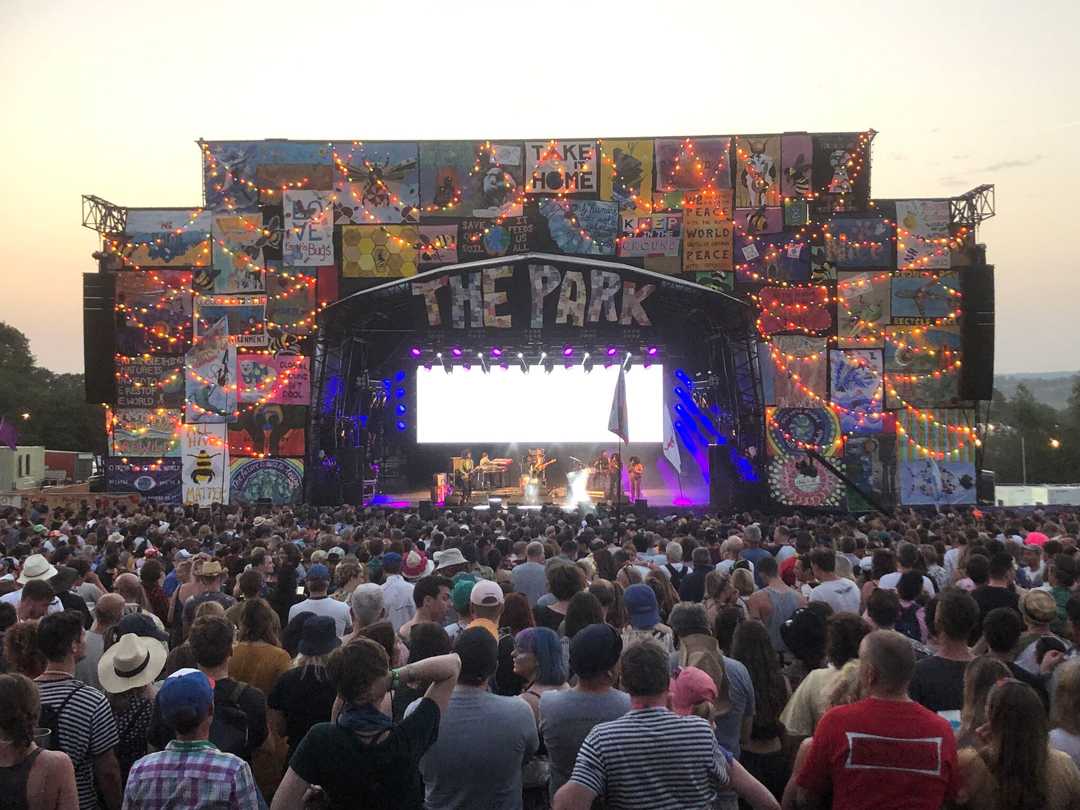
(172, 657)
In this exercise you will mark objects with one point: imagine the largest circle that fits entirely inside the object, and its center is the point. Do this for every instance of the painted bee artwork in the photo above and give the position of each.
(377, 183)
(203, 471)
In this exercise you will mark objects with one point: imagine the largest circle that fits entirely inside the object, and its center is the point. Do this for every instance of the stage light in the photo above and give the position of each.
(415, 351)
(626, 362)
(456, 352)
(496, 352)
(399, 377)
(447, 367)
(567, 351)
(400, 393)
(611, 350)
(522, 363)
(401, 409)
(401, 426)
(651, 351)
(483, 362)
(587, 363)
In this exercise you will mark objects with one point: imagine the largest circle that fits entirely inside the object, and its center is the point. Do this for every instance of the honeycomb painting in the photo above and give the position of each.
(379, 251)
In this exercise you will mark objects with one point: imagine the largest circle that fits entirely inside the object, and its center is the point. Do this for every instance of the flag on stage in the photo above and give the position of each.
(8, 436)
(671, 444)
(618, 422)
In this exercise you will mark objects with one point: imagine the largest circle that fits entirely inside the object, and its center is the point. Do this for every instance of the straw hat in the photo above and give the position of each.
(131, 662)
(36, 567)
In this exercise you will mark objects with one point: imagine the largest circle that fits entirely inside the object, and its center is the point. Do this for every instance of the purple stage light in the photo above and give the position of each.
(567, 351)
(455, 351)
(611, 351)
(415, 351)
(651, 351)
(496, 352)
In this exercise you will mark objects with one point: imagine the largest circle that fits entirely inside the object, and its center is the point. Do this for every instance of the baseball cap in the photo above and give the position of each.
(185, 689)
(486, 594)
(1035, 539)
(595, 649)
(391, 558)
(141, 624)
(318, 571)
(689, 687)
(336, 551)
(461, 593)
(641, 603)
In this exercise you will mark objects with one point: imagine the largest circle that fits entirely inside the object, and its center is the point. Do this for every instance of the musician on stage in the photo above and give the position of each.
(615, 478)
(635, 471)
(483, 470)
(465, 475)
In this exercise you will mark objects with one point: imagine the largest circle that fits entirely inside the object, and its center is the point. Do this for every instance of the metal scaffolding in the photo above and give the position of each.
(103, 216)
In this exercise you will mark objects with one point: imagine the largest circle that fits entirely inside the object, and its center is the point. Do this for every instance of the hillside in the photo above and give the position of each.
(1050, 388)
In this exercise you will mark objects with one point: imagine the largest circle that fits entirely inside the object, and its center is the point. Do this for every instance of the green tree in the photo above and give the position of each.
(59, 417)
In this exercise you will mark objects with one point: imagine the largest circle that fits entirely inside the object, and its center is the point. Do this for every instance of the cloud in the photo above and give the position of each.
(1010, 164)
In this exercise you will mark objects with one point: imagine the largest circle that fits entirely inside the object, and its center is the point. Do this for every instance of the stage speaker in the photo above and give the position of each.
(641, 508)
(426, 512)
(977, 331)
(722, 478)
(986, 488)
(99, 337)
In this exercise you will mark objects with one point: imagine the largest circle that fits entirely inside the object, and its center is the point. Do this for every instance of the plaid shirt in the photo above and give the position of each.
(191, 774)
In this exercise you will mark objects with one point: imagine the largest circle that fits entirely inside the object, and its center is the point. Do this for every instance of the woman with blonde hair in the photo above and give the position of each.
(719, 594)
(1015, 768)
(980, 677)
(304, 695)
(1065, 735)
(348, 575)
(743, 582)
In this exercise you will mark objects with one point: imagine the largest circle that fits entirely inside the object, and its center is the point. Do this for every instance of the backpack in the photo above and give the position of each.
(50, 718)
(676, 575)
(908, 622)
(229, 730)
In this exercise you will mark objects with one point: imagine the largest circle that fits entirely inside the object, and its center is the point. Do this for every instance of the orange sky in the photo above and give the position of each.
(109, 98)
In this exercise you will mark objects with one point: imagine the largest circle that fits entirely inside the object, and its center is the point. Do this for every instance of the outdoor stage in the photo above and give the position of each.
(520, 357)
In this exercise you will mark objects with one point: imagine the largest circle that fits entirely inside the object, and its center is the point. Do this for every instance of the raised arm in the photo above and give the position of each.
(441, 671)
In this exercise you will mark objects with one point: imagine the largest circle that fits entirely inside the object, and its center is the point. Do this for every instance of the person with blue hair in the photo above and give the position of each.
(538, 659)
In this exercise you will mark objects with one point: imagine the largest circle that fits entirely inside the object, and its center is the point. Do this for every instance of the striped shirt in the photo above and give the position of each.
(654, 759)
(86, 727)
(191, 775)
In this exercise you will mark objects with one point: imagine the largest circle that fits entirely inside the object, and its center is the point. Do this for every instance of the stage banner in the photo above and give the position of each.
(532, 296)
(244, 314)
(841, 173)
(470, 179)
(626, 174)
(798, 480)
(153, 312)
(864, 463)
(156, 480)
(936, 457)
(783, 257)
(291, 302)
(794, 430)
(206, 465)
(150, 381)
(757, 171)
(231, 169)
(277, 480)
(309, 229)
(281, 380)
(166, 237)
(856, 389)
(707, 233)
(859, 242)
(796, 167)
(379, 251)
(484, 239)
(561, 167)
(794, 309)
(269, 430)
(922, 366)
(862, 309)
(210, 378)
(238, 256)
(925, 298)
(650, 235)
(922, 234)
(145, 432)
(799, 365)
(578, 226)
(376, 183)
(438, 245)
(687, 164)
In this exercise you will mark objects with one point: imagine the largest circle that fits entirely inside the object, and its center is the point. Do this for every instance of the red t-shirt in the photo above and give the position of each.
(882, 755)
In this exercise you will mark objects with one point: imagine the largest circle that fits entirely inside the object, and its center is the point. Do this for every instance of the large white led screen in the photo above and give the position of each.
(509, 406)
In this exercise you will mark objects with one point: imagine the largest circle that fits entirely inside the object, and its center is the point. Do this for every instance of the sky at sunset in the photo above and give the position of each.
(109, 99)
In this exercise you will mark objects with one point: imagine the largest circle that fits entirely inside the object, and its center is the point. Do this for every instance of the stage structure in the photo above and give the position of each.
(397, 322)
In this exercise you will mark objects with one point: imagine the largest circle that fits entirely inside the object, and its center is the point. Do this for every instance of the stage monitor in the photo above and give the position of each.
(508, 406)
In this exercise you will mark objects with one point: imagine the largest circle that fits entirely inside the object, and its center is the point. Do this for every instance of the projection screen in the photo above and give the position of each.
(509, 406)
